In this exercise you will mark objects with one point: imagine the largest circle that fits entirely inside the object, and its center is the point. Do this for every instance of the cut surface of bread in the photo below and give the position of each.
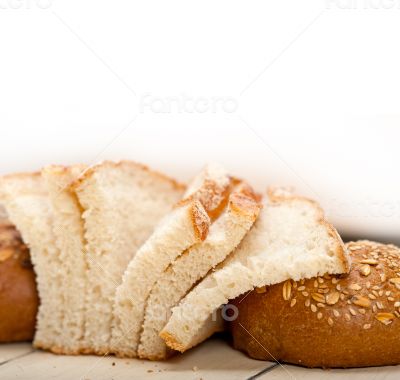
(121, 204)
(185, 226)
(28, 206)
(68, 229)
(290, 240)
(224, 236)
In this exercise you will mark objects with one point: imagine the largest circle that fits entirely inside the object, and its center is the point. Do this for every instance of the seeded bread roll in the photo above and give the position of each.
(348, 320)
(18, 296)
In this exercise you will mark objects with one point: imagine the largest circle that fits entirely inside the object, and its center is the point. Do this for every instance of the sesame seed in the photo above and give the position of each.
(319, 315)
(352, 311)
(336, 313)
(347, 317)
(354, 287)
(365, 270)
(287, 290)
(379, 305)
(313, 308)
(330, 321)
(367, 326)
(369, 261)
(293, 302)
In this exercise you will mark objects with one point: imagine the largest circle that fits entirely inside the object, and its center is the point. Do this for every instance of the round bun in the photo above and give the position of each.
(18, 296)
(331, 321)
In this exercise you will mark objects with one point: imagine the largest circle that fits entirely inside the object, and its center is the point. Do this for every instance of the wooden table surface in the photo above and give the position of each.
(212, 360)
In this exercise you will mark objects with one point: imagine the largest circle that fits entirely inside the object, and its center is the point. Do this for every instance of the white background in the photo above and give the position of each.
(304, 93)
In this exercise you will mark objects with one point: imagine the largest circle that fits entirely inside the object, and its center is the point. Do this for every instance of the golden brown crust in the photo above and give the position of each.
(171, 341)
(246, 201)
(89, 171)
(213, 195)
(18, 296)
(349, 320)
(200, 219)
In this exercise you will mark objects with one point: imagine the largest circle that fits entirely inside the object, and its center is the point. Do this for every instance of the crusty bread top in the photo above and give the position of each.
(211, 187)
(127, 165)
(207, 196)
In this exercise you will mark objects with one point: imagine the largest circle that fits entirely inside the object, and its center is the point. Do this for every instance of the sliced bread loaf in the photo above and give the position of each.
(185, 226)
(290, 240)
(224, 236)
(121, 204)
(68, 229)
(28, 206)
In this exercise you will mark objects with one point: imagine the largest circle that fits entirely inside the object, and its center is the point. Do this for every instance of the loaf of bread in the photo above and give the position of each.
(18, 296)
(329, 321)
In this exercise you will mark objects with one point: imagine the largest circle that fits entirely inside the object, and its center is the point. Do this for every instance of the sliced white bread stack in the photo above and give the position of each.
(121, 204)
(290, 240)
(28, 206)
(68, 229)
(185, 226)
(224, 236)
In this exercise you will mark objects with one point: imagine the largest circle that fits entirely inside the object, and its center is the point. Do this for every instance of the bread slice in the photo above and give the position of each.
(68, 229)
(224, 236)
(290, 240)
(185, 226)
(121, 204)
(28, 206)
